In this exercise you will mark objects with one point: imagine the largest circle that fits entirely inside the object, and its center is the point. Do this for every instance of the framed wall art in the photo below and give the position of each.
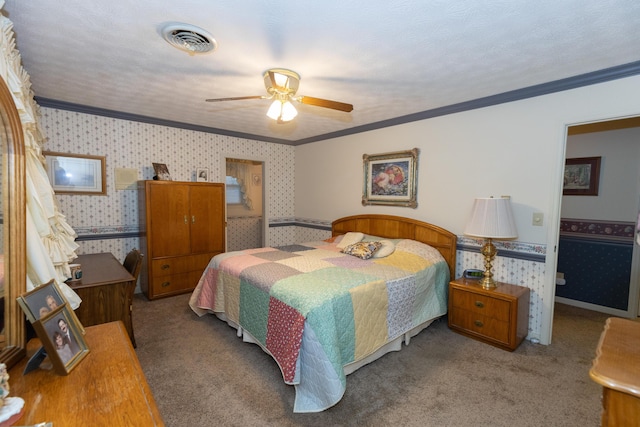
(391, 178)
(76, 173)
(581, 176)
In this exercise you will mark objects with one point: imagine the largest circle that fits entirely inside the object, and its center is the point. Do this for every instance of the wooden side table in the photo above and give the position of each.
(498, 316)
(107, 388)
(106, 289)
(617, 368)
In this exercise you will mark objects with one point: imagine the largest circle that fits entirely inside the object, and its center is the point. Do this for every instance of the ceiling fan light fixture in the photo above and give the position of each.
(282, 111)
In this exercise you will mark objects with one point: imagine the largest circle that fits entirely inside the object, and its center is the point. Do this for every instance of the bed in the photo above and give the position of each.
(322, 313)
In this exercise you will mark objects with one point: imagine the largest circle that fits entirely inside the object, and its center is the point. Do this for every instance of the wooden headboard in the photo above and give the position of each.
(397, 227)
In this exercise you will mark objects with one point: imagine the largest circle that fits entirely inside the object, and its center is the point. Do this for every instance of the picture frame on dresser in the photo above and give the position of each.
(61, 336)
(76, 173)
(162, 172)
(202, 175)
(581, 176)
(391, 178)
(40, 301)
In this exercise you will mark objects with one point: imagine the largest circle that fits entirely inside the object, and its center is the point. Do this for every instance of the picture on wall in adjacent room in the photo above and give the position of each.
(581, 176)
(390, 178)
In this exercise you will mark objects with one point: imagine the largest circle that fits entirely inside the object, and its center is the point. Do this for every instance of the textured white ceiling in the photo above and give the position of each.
(388, 59)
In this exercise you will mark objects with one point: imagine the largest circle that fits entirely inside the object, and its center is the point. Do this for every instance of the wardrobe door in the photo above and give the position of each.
(169, 223)
(207, 218)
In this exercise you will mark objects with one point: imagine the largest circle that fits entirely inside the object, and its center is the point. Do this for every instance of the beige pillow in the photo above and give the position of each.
(349, 239)
(387, 248)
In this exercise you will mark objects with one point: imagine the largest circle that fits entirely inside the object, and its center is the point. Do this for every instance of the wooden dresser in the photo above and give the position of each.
(185, 228)
(106, 290)
(617, 368)
(107, 388)
(498, 316)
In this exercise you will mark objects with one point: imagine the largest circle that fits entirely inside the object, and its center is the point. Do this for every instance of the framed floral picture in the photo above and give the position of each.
(581, 176)
(391, 178)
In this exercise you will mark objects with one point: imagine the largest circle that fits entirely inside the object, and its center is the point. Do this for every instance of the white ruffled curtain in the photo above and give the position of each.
(241, 171)
(50, 240)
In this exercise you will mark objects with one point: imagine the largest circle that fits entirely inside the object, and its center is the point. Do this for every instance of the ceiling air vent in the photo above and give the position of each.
(191, 39)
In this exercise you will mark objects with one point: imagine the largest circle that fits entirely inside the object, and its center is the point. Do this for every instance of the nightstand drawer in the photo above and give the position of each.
(481, 304)
(486, 326)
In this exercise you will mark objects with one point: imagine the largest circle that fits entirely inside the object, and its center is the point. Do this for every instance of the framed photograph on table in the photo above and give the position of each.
(390, 178)
(76, 173)
(41, 301)
(62, 339)
(581, 176)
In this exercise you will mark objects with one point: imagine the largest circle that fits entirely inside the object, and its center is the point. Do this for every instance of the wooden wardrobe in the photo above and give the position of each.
(184, 225)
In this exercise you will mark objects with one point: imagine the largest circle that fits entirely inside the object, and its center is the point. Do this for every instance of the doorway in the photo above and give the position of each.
(244, 180)
(597, 245)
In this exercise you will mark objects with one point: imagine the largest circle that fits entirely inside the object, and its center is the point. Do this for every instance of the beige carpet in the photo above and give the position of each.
(201, 374)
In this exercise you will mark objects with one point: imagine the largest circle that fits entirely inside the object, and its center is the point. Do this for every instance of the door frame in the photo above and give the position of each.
(551, 260)
(223, 176)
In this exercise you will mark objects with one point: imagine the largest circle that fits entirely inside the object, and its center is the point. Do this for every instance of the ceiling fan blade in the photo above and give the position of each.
(318, 102)
(236, 98)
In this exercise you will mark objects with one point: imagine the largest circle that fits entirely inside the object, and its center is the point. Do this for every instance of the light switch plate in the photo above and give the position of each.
(538, 218)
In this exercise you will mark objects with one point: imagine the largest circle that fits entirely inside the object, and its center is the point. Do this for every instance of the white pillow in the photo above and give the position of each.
(388, 247)
(349, 239)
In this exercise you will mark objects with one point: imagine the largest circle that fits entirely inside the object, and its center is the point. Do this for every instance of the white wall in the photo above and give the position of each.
(617, 198)
(514, 149)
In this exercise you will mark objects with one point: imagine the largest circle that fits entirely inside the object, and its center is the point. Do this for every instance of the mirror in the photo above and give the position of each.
(13, 229)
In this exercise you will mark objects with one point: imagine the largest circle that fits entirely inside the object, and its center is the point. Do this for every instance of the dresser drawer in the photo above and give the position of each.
(486, 326)
(175, 265)
(481, 304)
(175, 283)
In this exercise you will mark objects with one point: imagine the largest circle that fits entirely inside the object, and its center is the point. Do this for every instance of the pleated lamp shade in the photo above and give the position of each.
(491, 218)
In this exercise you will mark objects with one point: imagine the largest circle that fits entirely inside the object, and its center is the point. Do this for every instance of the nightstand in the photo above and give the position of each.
(498, 316)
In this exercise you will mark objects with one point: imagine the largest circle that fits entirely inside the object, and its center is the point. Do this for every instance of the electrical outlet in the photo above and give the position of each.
(538, 218)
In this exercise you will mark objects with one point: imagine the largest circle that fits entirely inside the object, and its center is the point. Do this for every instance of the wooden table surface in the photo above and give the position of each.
(617, 362)
(107, 388)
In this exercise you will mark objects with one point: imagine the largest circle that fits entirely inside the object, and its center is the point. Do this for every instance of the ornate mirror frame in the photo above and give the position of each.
(14, 248)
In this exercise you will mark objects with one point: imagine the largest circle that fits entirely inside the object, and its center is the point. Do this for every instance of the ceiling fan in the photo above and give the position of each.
(282, 85)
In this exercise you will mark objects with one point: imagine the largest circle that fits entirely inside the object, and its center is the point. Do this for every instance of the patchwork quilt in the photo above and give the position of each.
(315, 309)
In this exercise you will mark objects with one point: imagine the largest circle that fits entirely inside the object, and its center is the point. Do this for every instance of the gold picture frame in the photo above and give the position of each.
(391, 178)
(76, 173)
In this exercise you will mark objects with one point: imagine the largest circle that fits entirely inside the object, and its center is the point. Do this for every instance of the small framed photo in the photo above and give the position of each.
(390, 178)
(162, 172)
(581, 176)
(41, 301)
(76, 174)
(202, 175)
(62, 339)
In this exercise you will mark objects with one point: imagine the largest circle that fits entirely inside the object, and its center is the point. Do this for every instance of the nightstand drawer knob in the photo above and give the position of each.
(165, 266)
(479, 304)
(165, 284)
(478, 323)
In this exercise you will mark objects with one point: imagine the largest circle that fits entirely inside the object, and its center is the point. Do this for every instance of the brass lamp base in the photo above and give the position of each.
(489, 251)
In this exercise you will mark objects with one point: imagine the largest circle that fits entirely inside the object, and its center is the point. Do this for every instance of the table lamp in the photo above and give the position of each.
(491, 218)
